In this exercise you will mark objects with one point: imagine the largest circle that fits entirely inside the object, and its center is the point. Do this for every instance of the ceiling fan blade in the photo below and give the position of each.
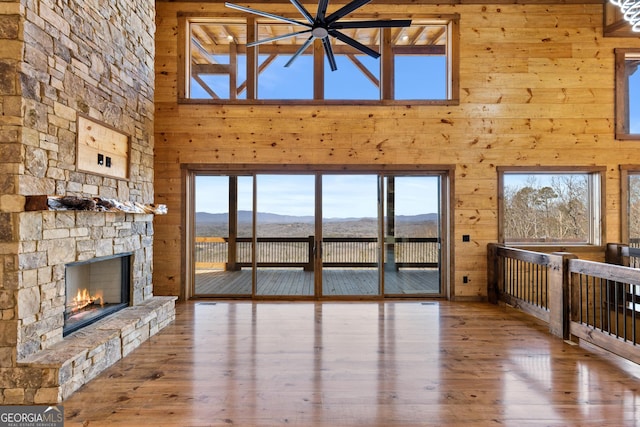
(385, 23)
(322, 10)
(345, 10)
(273, 39)
(355, 44)
(299, 51)
(266, 14)
(303, 10)
(328, 50)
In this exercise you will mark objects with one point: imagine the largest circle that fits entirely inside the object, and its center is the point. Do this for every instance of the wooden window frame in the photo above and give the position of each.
(625, 172)
(622, 94)
(386, 66)
(597, 229)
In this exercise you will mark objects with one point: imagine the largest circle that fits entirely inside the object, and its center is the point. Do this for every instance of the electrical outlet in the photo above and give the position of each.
(465, 279)
(466, 238)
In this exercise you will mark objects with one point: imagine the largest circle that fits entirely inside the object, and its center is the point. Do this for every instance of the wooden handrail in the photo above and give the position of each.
(533, 282)
(592, 301)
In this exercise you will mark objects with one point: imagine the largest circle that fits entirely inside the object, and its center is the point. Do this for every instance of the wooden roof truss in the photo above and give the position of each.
(216, 44)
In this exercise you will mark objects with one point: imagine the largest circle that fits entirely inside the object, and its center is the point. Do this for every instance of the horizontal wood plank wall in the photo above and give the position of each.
(537, 88)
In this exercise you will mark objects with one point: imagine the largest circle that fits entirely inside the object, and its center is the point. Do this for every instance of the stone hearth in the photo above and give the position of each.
(64, 367)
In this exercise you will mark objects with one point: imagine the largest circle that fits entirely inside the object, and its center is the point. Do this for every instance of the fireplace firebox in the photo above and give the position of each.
(94, 289)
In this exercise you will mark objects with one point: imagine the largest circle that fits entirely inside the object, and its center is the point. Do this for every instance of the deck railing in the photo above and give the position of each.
(299, 252)
(593, 301)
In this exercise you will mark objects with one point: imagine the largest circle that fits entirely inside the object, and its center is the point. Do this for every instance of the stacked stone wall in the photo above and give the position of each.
(59, 59)
(94, 58)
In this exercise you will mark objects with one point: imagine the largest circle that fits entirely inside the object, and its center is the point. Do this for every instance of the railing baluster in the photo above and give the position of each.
(634, 294)
(600, 305)
(616, 306)
(624, 310)
(581, 302)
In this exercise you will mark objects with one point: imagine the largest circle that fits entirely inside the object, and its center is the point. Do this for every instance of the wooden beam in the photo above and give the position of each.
(364, 70)
(265, 64)
(252, 60)
(205, 86)
(318, 69)
(233, 71)
(210, 69)
(419, 50)
(387, 64)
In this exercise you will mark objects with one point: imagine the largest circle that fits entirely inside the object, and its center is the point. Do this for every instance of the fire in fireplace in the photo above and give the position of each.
(94, 289)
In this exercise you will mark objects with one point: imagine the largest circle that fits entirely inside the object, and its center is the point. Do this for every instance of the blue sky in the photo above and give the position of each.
(417, 77)
(343, 195)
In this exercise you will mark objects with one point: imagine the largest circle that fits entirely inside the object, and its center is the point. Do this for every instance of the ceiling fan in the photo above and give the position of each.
(323, 26)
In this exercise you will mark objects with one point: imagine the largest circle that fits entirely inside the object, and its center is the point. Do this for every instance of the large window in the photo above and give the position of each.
(417, 63)
(630, 208)
(550, 208)
(627, 94)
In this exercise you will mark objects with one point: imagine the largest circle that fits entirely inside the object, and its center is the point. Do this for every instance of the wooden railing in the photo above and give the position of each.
(299, 252)
(593, 301)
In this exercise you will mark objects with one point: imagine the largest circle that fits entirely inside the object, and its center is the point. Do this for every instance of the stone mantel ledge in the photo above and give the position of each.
(84, 354)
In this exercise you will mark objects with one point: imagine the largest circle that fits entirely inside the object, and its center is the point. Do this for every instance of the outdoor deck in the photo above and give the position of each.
(336, 282)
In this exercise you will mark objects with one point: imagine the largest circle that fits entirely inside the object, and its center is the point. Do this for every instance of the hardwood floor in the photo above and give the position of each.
(336, 282)
(400, 363)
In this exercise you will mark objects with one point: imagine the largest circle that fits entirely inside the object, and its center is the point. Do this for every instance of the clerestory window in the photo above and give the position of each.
(417, 63)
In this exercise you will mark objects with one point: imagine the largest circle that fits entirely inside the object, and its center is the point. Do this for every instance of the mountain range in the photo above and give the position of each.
(270, 218)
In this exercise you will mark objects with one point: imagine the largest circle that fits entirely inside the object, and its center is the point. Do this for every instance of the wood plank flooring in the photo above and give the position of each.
(336, 282)
(400, 363)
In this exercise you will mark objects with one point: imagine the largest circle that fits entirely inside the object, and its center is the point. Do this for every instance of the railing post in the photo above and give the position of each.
(559, 276)
(310, 257)
(615, 254)
(492, 273)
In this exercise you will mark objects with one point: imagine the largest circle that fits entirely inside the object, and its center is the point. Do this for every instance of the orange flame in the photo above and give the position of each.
(83, 299)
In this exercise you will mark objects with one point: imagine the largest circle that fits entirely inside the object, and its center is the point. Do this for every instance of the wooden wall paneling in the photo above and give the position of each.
(539, 92)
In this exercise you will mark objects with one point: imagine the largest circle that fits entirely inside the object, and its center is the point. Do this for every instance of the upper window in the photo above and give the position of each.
(416, 62)
(550, 208)
(627, 94)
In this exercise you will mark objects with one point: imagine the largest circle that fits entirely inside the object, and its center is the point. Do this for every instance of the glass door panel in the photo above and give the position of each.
(412, 235)
(350, 242)
(223, 235)
(285, 224)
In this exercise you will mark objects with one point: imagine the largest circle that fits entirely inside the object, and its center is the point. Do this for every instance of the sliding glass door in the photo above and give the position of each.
(223, 228)
(317, 235)
(412, 225)
(285, 224)
(350, 235)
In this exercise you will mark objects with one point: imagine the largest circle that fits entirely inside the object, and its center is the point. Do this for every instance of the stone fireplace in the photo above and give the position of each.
(64, 61)
(95, 289)
(65, 251)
